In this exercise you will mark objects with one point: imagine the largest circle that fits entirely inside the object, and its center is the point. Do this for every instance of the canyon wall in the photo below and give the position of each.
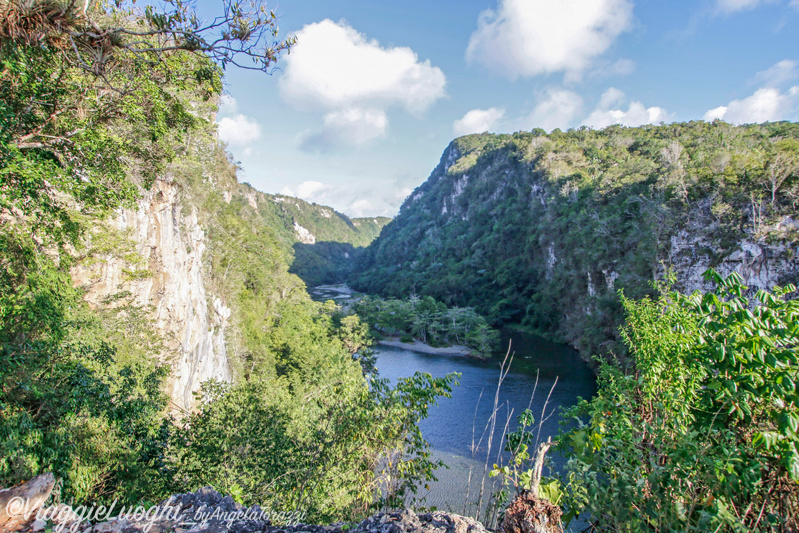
(191, 321)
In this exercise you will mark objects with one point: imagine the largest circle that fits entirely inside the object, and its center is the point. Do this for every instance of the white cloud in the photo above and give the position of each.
(334, 66)
(636, 114)
(310, 189)
(477, 121)
(717, 113)
(356, 200)
(778, 74)
(348, 127)
(239, 130)
(556, 108)
(732, 6)
(794, 4)
(360, 207)
(530, 37)
(622, 67)
(766, 104)
(353, 81)
(612, 97)
(379, 199)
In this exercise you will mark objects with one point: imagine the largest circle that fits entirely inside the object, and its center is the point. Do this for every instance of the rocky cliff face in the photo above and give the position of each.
(170, 237)
(762, 264)
(191, 321)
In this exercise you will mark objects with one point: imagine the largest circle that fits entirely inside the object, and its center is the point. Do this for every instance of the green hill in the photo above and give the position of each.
(544, 230)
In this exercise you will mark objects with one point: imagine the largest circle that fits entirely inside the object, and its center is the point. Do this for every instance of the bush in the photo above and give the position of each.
(701, 435)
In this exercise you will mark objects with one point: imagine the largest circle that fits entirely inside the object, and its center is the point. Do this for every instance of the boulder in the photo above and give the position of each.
(19, 504)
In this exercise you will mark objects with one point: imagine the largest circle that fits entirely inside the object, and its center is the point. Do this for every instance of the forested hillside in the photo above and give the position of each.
(545, 230)
(323, 244)
(296, 220)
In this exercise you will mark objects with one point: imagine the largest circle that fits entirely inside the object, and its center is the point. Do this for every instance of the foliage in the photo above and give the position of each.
(544, 229)
(430, 321)
(334, 452)
(82, 398)
(338, 239)
(92, 35)
(702, 434)
(82, 390)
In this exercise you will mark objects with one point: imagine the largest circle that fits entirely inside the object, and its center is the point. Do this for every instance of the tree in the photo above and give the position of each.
(783, 165)
(94, 103)
(90, 33)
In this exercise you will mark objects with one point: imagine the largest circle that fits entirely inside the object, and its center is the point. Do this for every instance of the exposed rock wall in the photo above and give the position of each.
(191, 321)
(762, 265)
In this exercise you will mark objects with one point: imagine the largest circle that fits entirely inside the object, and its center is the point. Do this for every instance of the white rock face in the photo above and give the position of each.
(305, 236)
(551, 260)
(193, 325)
(451, 158)
(251, 199)
(761, 265)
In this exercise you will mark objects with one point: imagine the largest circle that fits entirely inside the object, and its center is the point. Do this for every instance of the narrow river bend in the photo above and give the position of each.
(456, 428)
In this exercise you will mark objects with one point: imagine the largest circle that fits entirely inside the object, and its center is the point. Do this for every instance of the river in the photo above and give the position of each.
(543, 376)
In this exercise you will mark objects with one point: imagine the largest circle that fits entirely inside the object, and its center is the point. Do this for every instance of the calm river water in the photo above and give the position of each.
(457, 427)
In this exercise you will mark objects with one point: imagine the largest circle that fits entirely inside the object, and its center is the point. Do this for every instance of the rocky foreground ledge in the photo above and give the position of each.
(205, 511)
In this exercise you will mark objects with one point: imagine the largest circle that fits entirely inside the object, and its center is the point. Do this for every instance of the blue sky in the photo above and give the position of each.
(360, 111)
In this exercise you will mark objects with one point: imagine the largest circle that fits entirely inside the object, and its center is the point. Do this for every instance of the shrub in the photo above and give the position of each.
(701, 435)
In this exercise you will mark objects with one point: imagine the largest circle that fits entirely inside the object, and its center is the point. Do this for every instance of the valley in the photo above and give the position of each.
(580, 327)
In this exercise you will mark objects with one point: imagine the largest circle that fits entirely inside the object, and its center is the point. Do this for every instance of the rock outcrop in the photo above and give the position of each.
(18, 505)
(207, 511)
(191, 321)
(762, 265)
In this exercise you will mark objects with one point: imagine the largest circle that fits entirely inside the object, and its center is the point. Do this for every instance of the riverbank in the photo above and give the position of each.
(421, 347)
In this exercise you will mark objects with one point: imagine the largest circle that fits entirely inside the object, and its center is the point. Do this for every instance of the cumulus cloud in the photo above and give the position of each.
(477, 121)
(636, 114)
(766, 104)
(524, 38)
(239, 130)
(353, 81)
(348, 127)
(556, 108)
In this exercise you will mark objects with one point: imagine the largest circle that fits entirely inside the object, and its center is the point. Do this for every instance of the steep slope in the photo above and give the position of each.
(197, 250)
(322, 242)
(172, 283)
(545, 230)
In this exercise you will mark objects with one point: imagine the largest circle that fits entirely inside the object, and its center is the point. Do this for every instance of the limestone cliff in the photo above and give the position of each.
(761, 263)
(170, 232)
(191, 321)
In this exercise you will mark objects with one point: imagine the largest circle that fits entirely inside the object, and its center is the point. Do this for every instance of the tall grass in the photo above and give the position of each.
(491, 499)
